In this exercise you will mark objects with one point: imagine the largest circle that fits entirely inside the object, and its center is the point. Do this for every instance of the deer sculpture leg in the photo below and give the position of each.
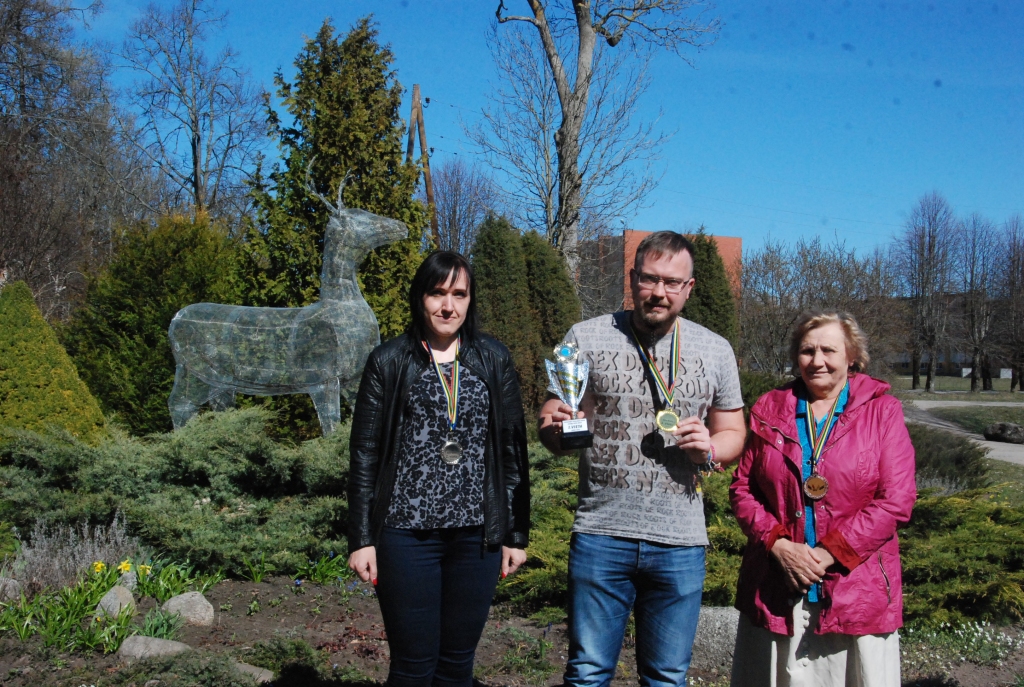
(327, 400)
(188, 394)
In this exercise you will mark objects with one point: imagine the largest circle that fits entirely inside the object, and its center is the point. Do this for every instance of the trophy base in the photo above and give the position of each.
(575, 434)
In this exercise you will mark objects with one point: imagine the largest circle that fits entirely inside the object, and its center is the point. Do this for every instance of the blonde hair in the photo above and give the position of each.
(856, 341)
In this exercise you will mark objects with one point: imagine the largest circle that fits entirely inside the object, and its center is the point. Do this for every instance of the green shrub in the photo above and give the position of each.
(215, 492)
(963, 557)
(118, 339)
(39, 386)
(161, 624)
(754, 385)
(189, 669)
(543, 578)
(948, 460)
(977, 419)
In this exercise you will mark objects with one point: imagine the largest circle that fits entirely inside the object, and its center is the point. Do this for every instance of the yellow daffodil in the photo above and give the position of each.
(144, 569)
(99, 566)
(125, 567)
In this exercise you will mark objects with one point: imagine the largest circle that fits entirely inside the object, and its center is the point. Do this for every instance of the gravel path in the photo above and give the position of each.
(917, 411)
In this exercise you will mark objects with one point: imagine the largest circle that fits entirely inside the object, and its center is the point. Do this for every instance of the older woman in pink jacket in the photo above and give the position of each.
(825, 479)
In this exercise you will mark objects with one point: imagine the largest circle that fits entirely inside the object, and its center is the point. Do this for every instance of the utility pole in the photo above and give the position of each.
(416, 123)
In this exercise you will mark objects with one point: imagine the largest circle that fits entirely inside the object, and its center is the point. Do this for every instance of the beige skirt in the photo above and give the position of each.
(765, 659)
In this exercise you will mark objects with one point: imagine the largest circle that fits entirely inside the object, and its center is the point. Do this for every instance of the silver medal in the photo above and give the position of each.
(451, 452)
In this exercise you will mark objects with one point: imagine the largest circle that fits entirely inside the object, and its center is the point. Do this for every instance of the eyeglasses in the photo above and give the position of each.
(648, 282)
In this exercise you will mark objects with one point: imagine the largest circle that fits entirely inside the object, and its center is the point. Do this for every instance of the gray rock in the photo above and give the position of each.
(114, 601)
(1005, 431)
(137, 647)
(716, 637)
(192, 607)
(129, 581)
(10, 589)
(260, 675)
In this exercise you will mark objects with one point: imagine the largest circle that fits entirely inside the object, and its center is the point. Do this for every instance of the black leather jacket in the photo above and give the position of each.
(390, 371)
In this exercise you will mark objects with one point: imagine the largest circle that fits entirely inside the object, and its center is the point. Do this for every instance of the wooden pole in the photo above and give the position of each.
(416, 123)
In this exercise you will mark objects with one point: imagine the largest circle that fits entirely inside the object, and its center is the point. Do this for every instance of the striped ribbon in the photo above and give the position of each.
(451, 389)
(667, 389)
(818, 441)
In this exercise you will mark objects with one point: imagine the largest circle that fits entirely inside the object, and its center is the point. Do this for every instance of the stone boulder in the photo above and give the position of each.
(260, 675)
(1005, 431)
(716, 637)
(129, 581)
(137, 648)
(116, 600)
(10, 589)
(193, 608)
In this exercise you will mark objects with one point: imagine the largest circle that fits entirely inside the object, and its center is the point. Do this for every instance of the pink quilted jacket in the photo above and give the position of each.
(869, 464)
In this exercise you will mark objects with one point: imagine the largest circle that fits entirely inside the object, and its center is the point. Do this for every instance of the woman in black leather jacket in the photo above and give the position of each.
(439, 490)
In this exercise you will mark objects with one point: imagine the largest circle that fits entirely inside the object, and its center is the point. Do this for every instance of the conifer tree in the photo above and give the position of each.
(711, 304)
(551, 290)
(503, 299)
(119, 341)
(344, 121)
(39, 386)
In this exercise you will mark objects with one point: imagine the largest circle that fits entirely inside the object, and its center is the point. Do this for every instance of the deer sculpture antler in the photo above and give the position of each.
(311, 187)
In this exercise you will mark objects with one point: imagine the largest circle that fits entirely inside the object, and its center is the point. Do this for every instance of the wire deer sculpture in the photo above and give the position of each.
(320, 350)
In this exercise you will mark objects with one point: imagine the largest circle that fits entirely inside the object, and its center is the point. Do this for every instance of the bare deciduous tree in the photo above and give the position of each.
(1011, 298)
(974, 272)
(780, 283)
(463, 195)
(198, 120)
(924, 254)
(569, 32)
(58, 153)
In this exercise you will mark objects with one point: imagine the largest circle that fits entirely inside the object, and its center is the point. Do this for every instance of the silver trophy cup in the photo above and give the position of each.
(568, 380)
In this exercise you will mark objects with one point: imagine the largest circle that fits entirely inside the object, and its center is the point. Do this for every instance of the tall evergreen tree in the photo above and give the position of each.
(551, 289)
(503, 299)
(39, 386)
(712, 303)
(119, 341)
(344, 122)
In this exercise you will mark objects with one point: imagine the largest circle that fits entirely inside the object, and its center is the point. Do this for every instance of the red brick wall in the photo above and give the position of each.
(729, 247)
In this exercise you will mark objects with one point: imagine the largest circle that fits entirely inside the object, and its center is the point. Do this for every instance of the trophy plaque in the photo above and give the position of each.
(568, 381)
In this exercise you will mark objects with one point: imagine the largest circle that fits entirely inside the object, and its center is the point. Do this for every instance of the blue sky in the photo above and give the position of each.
(805, 118)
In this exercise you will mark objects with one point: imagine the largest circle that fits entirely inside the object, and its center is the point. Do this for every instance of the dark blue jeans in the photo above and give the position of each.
(661, 584)
(435, 589)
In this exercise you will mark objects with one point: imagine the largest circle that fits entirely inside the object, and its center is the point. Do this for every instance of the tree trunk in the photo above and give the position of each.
(975, 362)
(986, 373)
(929, 384)
(915, 365)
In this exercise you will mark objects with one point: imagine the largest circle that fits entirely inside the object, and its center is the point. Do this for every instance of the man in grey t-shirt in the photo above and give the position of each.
(639, 536)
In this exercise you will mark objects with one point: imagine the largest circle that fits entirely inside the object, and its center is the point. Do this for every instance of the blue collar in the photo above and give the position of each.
(844, 397)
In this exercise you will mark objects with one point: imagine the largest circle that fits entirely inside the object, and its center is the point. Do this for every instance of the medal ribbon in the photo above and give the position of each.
(451, 389)
(818, 441)
(667, 389)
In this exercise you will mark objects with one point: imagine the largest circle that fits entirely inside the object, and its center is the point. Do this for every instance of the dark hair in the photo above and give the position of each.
(433, 271)
(661, 243)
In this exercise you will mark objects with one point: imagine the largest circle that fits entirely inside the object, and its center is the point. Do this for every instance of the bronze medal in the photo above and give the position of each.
(667, 420)
(815, 487)
(451, 452)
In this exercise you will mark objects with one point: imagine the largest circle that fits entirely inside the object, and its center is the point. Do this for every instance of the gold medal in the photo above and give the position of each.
(815, 487)
(667, 420)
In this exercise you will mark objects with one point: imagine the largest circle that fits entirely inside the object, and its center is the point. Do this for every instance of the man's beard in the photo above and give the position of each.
(656, 320)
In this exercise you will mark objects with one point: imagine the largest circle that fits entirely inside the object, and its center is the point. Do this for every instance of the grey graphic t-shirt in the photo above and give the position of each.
(622, 492)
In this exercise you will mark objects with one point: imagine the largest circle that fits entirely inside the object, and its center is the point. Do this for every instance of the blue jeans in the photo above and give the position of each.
(435, 589)
(662, 584)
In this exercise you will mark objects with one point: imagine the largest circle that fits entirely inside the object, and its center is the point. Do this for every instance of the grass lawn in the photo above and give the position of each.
(1010, 477)
(976, 419)
(948, 383)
